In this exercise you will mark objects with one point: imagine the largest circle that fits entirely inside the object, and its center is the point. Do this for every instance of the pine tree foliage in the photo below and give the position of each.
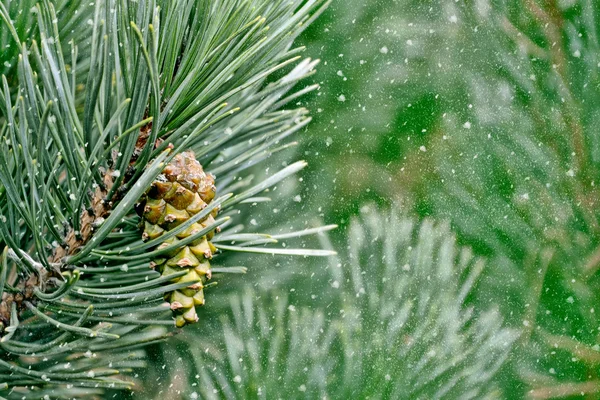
(72, 26)
(516, 171)
(97, 97)
(396, 325)
(98, 102)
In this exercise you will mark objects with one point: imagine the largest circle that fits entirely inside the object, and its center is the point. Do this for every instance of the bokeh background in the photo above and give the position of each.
(483, 114)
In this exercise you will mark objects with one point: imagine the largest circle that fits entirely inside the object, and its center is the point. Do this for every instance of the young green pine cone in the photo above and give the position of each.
(181, 191)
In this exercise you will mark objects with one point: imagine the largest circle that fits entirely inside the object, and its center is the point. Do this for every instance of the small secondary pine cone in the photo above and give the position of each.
(181, 191)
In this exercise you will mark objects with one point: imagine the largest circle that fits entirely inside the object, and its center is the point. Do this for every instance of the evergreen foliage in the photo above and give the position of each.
(396, 326)
(477, 119)
(83, 137)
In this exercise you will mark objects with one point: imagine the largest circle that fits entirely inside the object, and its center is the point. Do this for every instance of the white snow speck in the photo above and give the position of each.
(383, 50)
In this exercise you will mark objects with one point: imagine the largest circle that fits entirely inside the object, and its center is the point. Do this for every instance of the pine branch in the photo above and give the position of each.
(393, 324)
(87, 134)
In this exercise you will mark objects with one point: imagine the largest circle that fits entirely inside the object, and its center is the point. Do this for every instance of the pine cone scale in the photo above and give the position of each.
(180, 192)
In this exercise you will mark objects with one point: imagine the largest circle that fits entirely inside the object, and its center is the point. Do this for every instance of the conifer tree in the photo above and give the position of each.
(114, 107)
(146, 154)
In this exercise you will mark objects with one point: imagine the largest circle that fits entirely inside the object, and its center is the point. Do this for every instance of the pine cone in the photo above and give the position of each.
(181, 191)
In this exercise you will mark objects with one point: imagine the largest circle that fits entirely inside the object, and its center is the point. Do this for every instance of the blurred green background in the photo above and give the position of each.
(387, 76)
(484, 114)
